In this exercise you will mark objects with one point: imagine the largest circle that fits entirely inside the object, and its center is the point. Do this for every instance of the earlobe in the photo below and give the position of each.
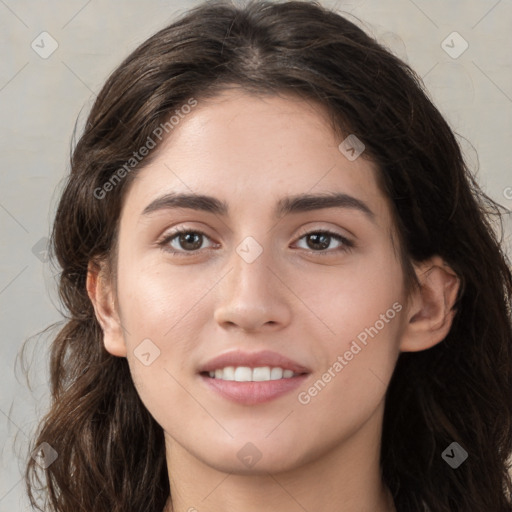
(430, 313)
(99, 289)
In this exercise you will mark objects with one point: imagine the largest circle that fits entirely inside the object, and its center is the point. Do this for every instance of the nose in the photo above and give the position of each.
(253, 296)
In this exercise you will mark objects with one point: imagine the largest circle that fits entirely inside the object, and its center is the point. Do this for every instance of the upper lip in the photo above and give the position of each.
(253, 360)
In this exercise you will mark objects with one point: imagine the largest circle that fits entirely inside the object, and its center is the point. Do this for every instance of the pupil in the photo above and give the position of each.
(187, 238)
(324, 243)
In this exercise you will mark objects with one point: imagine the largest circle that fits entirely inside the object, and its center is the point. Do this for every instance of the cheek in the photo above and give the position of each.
(161, 312)
(354, 297)
(161, 321)
(362, 307)
(158, 301)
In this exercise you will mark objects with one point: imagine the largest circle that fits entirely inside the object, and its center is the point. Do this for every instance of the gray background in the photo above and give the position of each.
(41, 99)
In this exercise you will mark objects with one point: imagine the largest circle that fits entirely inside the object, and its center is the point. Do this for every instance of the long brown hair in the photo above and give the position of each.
(111, 454)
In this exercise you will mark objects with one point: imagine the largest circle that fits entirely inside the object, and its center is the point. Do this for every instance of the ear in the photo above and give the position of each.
(430, 314)
(99, 289)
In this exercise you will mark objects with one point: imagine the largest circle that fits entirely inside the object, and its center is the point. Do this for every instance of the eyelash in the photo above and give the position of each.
(346, 246)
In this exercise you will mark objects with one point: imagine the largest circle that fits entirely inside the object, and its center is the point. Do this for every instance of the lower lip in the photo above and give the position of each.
(251, 393)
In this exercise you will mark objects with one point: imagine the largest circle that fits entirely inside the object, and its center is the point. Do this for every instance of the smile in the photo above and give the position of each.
(247, 374)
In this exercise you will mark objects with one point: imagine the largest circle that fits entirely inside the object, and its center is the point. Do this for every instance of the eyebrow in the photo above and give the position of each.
(286, 205)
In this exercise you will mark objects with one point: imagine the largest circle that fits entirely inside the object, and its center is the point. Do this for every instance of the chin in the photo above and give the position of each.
(254, 458)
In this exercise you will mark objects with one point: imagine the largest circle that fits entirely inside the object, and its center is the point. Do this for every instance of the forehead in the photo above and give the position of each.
(245, 148)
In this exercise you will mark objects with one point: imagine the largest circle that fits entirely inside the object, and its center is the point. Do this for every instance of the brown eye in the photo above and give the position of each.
(183, 241)
(319, 241)
(190, 241)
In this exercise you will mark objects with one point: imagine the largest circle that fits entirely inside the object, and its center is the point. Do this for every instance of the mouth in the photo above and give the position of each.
(250, 378)
(252, 386)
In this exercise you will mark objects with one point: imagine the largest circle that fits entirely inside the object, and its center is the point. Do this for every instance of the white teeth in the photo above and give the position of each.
(243, 374)
(276, 373)
(228, 373)
(261, 374)
(246, 374)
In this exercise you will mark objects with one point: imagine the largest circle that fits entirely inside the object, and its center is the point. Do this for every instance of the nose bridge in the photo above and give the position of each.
(252, 262)
(251, 296)
(251, 274)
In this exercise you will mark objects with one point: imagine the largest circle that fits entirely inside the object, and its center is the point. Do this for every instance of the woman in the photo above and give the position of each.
(284, 289)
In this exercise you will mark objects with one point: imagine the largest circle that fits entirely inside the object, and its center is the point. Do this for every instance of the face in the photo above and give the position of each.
(316, 281)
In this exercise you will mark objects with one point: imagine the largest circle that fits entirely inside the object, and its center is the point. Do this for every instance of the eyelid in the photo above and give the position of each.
(348, 238)
(322, 229)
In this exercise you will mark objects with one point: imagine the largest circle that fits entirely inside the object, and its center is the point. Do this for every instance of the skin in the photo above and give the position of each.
(324, 455)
